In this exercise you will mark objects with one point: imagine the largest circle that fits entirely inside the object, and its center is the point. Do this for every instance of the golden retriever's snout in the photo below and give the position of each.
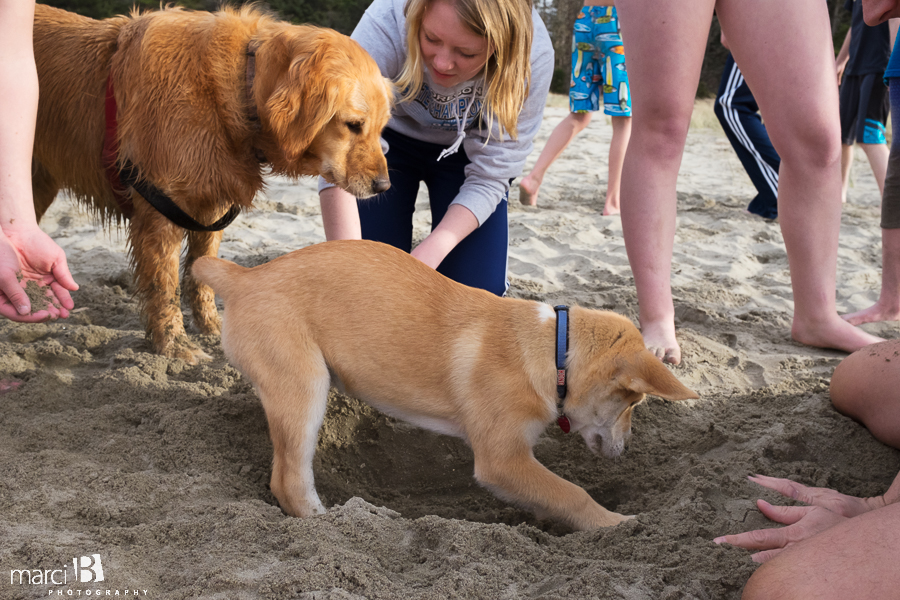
(380, 185)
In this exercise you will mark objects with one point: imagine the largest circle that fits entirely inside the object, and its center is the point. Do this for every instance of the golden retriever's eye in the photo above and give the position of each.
(355, 126)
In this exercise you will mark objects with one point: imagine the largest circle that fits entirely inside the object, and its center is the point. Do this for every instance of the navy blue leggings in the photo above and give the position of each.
(738, 113)
(477, 261)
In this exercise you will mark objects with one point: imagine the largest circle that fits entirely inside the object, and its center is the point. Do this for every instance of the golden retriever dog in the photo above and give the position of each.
(202, 105)
(385, 328)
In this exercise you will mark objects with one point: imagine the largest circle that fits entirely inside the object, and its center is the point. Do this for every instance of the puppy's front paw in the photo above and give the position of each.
(304, 508)
(612, 519)
(600, 517)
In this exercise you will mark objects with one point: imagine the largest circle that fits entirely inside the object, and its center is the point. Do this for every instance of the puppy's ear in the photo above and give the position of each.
(645, 374)
(304, 98)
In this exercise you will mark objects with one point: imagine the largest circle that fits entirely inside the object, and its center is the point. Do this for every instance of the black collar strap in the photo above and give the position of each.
(162, 203)
(158, 200)
(562, 348)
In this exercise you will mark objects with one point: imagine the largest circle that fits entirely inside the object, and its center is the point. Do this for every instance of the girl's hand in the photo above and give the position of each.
(26, 255)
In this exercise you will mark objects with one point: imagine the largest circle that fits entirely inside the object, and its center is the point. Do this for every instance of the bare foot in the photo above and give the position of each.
(611, 208)
(528, 191)
(835, 333)
(660, 340)
(874, 314)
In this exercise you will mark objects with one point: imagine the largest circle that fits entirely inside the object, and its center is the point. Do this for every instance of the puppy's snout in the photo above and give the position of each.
(614, 446)
(382, 184)
(606, 443)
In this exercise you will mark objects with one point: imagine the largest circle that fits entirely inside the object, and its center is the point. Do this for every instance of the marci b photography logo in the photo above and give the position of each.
(83, 569)
(88, 569)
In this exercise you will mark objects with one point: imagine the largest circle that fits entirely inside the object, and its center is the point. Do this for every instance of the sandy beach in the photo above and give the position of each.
(162, 468)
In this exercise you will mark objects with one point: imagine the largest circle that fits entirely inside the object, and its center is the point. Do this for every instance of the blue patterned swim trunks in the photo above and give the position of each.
(598, 64)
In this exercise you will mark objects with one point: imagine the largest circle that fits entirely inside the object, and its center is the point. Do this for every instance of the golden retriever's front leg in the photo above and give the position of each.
(155, 250)
(200, 297)
(517, 477)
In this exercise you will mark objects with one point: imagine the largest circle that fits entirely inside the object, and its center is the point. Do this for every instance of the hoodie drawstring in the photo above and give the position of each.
(460, 129)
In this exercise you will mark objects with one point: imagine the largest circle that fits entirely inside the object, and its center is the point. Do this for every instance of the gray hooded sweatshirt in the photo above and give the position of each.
(443, 115)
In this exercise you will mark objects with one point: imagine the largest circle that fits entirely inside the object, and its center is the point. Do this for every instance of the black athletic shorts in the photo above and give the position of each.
(864, 109)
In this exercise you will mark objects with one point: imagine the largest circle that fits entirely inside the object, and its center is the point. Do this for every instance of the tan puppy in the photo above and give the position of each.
(385, 328)
(205, 104)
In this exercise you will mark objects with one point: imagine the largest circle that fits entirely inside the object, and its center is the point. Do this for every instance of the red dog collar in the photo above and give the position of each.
(562, 348)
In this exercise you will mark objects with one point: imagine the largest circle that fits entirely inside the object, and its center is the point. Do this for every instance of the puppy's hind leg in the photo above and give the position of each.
(294, 394)
(199, 296)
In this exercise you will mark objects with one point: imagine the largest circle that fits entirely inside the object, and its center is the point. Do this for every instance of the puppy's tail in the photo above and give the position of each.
(217, 273)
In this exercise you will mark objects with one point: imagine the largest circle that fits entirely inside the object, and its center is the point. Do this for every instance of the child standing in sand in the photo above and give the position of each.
(473, 77)
(887, 308)
(27, 254)
(598, 68)
(864, 101)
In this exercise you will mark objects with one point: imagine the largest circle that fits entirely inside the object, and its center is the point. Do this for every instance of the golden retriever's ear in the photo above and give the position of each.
(645, 374)
(305, 95)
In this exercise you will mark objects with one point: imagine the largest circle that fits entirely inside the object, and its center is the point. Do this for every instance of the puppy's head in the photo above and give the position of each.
(610, 372)
(324, 102)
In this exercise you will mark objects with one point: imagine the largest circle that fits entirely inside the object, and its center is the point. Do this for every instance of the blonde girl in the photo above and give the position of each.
(472, 79)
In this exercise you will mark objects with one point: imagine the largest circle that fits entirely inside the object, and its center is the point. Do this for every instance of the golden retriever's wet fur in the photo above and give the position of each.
(184, 119)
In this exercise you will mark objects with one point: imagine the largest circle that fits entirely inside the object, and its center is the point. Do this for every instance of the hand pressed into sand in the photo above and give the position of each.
(826, 508)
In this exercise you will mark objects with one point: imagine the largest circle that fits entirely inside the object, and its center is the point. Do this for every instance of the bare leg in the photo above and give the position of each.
(805, 131)
(887, 308)
(854, 559)
(562, 136)
(878, 159)
(846, 164)
(666, 42)
(621, 127)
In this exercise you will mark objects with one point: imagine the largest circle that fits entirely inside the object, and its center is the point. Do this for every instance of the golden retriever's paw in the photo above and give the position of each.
(208, 324)
(181, 347)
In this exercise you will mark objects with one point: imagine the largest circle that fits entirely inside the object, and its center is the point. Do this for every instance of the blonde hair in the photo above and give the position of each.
(507, 27)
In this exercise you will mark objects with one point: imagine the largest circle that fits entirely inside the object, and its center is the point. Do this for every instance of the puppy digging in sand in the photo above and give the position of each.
(196, 106)
(385, 328)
